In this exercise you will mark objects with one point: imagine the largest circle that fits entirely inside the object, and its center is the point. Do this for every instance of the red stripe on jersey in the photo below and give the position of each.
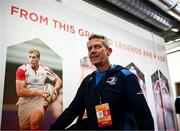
(20, 74)
(52, 75)
(46, 69)
(49, 72)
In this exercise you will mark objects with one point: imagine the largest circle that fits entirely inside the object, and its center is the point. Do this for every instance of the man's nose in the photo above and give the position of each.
(30, 58)
(93, 49)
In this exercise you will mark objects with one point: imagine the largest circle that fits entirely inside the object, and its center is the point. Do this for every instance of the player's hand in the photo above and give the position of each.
(45, 106)
(45, 95)
(55, 91)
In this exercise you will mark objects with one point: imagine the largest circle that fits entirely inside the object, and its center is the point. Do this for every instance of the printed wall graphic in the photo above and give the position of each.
(163, 102)
(16, 56)
(133, 68)
(86, 67)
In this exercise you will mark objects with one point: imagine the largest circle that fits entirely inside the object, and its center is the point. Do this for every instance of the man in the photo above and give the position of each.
(177, 105)
(107, 94)
(30, 81)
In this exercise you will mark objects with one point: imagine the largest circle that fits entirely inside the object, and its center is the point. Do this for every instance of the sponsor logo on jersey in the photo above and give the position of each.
(35, 81)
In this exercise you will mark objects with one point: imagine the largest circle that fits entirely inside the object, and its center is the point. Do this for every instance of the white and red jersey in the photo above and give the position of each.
(34, 78)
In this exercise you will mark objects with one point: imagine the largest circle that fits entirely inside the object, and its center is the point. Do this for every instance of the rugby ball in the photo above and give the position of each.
(51, 91)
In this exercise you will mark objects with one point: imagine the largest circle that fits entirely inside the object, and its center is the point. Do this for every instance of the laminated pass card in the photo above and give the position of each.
(103, 115)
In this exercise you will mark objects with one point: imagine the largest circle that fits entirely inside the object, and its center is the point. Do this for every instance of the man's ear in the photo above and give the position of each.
(109, 51)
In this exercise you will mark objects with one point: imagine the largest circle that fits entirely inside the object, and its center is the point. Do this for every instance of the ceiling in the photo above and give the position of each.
(158, 16)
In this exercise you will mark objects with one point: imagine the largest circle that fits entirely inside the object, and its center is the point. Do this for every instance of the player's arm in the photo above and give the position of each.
(22, 91)
(58, 82)
(55, 78)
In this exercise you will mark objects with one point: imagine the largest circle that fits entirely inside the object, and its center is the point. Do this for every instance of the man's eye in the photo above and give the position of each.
(89, 49)
(97, 47)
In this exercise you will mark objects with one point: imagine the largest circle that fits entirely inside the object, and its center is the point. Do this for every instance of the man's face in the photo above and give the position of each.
(97, 52)
(33, 60)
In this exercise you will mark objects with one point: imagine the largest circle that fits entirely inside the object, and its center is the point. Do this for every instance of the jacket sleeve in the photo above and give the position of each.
(137, 104)
(72, 111)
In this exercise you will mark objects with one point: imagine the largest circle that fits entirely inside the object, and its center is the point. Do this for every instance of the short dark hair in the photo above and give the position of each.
(104, 38)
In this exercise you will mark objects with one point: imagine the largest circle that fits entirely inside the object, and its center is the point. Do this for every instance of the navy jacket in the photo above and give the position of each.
(121, 90)
(177, 105)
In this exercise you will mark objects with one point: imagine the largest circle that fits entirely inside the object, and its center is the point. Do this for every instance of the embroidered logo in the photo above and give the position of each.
(111, 80)
(139, 93)
(90, 79)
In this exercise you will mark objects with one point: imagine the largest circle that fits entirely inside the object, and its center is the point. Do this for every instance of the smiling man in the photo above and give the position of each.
(108, 95)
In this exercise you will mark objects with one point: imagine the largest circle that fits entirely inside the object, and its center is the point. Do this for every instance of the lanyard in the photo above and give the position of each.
(101, 87)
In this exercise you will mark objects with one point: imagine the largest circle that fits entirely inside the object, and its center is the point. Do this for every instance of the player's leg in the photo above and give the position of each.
(24, 127)
(36, 117)
(23, 116)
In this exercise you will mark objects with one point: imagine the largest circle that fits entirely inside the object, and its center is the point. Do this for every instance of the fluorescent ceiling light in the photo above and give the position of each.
(175, 29)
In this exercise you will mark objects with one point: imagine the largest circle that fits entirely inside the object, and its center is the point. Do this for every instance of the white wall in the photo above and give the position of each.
(173, 56)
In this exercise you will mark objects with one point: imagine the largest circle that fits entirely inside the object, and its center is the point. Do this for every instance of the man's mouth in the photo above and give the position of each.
(32, 64)
(94, 57)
